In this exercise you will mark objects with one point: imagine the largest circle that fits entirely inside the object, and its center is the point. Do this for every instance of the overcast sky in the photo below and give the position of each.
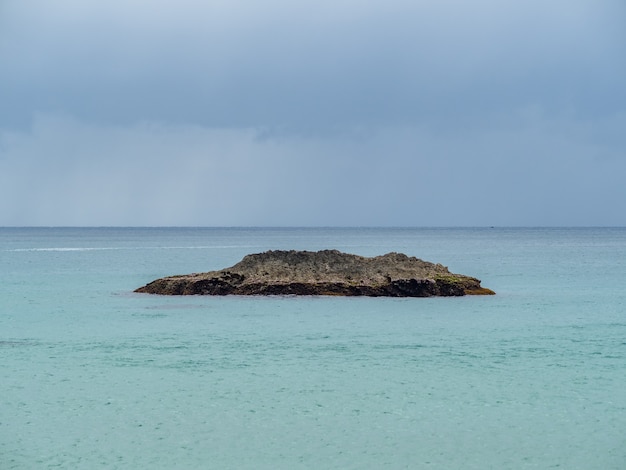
(325, 112)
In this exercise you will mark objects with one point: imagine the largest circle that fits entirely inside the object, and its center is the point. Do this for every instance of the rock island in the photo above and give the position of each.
(327, 272)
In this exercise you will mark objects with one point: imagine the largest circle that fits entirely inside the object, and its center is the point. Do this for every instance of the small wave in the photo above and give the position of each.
(109, 248)
(61, 249)
(14, 343)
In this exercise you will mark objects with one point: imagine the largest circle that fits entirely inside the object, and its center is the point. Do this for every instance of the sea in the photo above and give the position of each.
(94, 376)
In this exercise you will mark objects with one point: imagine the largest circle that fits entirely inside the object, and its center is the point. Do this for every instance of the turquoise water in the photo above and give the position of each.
(94, 376)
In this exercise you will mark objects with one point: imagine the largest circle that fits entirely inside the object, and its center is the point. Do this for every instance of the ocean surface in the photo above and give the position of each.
(94, 376)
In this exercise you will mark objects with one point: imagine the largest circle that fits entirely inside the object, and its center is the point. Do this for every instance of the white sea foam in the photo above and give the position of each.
(61, 249)
(17, 250)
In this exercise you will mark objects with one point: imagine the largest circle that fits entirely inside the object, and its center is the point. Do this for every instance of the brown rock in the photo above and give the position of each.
(327, 272)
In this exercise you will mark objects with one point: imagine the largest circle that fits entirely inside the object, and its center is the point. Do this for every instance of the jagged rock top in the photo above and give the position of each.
(327, 272)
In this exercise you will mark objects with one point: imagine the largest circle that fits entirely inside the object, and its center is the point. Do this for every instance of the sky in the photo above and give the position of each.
(313, 113)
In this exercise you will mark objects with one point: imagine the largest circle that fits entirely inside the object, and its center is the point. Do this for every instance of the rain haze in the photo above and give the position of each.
(309, 113)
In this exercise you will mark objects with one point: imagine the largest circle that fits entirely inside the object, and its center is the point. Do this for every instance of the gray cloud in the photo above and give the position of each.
(315, 64)
(540, 172)
(312, 113)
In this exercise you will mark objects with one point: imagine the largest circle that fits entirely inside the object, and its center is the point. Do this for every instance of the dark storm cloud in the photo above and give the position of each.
(305, 64)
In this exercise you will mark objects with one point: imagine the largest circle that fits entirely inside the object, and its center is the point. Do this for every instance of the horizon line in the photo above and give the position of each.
(309, 226)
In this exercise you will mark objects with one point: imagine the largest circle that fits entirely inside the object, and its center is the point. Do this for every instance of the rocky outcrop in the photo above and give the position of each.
(327, 272)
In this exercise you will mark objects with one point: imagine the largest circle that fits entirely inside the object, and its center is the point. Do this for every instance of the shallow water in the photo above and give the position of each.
(94, 376)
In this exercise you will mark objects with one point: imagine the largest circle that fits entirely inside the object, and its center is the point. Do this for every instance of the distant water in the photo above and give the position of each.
(93, 376)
